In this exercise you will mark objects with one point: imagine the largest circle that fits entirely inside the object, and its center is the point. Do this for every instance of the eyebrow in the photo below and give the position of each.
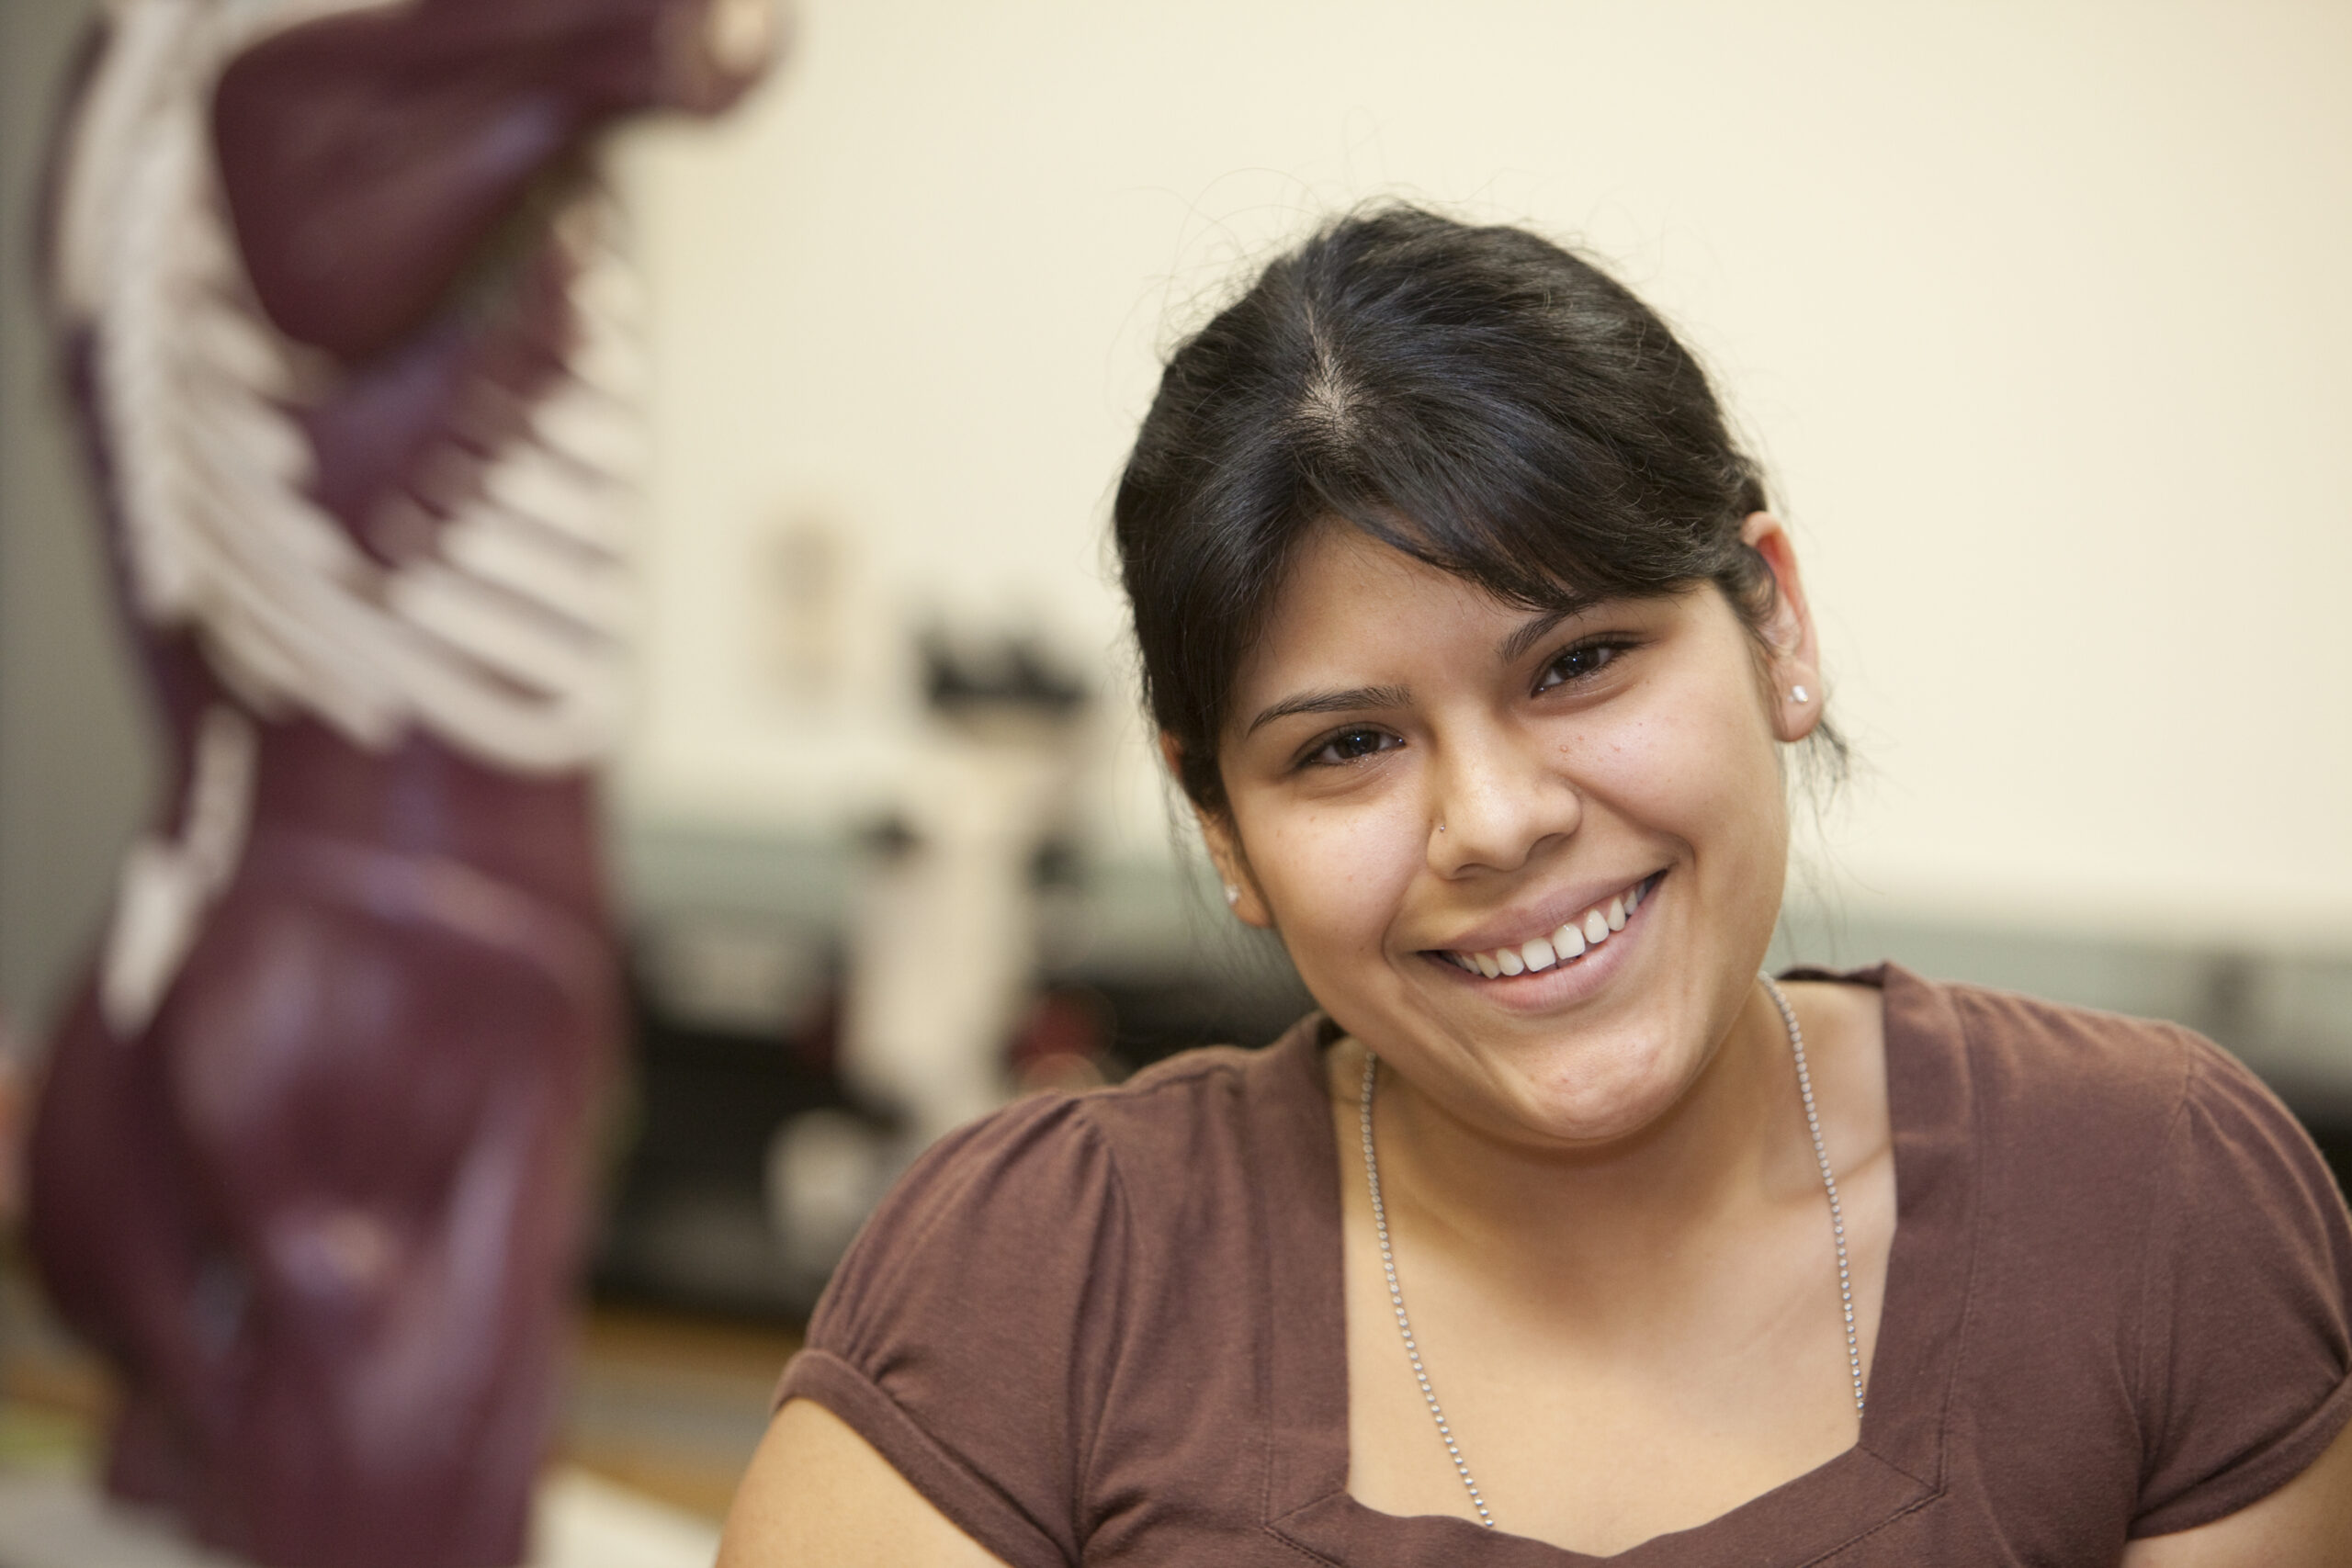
(1534, 630)
(1353, 700)
(1357, 698)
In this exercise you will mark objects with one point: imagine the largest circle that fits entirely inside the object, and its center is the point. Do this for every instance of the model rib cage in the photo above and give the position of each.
(506, 634)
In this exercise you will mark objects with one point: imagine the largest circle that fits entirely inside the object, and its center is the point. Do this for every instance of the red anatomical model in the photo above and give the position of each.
(337, 298)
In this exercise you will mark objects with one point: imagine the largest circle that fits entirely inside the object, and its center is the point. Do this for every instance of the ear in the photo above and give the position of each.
(1793, 656)
(1224, 849)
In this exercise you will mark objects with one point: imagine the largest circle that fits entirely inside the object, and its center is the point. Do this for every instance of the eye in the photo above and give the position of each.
(1349, 745)
(1581, 661)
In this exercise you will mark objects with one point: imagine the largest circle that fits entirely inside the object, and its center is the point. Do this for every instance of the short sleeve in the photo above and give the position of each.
(965, 1334)
(2245, 1356)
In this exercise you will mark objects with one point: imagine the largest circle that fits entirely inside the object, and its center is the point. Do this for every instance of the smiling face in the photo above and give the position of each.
(1426, 784)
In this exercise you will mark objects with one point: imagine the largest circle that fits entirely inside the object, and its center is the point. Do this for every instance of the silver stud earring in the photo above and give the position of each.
(1232, 895)
(1799, 694)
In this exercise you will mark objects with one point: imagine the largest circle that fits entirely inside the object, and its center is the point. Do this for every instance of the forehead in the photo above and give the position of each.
(1352, 607)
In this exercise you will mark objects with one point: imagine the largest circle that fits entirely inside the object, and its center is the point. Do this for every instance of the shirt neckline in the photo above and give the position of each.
(1897, 1466)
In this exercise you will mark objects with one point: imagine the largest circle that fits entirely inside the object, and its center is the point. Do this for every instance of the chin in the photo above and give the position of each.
(1599, 1092)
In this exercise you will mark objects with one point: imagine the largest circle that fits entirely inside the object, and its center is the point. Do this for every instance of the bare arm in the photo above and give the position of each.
(2305, 1524)
(818, 1495)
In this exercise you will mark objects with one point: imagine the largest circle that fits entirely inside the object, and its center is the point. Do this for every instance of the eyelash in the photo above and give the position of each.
(1614, 646)
(1313, 756)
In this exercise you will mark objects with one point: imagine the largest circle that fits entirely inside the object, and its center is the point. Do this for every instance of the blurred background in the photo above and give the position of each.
(2034, 313)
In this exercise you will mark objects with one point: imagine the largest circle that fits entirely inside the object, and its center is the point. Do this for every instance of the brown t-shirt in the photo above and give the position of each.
(1108, 1328)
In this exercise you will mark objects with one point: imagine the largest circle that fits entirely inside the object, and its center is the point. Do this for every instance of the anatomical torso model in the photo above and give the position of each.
(339, 303)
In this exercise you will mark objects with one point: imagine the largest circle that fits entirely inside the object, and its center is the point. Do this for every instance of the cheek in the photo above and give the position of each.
(1696, 763)
(1334, 876)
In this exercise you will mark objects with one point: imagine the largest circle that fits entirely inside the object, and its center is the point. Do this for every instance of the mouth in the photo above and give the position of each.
(1565, 945)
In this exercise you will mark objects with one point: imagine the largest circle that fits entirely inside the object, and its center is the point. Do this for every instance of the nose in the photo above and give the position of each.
(1498, 796)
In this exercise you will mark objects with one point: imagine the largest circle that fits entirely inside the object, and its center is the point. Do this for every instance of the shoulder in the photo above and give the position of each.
(2030, 1044)
(2128, 1124)
(1206, 1109)
(2079, 1080)
(1030, 1264)
(1051, 1194)
(2139, 1177)
(1157, 1123)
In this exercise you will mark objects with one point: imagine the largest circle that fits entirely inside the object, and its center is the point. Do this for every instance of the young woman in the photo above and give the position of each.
(1559, 1233)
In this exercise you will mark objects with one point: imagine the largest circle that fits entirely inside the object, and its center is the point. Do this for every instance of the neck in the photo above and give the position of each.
(1605, 1231)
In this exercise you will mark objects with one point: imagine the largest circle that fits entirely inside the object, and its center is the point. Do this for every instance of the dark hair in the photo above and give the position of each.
(1476, 396)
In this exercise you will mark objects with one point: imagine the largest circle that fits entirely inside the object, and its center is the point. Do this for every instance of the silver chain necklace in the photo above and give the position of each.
(1396, 1292)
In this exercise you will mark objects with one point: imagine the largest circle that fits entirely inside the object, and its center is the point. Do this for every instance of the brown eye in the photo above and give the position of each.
(1350, 746)
(1583, 659)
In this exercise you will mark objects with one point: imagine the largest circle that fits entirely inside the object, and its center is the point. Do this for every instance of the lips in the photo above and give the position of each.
(1565, 943)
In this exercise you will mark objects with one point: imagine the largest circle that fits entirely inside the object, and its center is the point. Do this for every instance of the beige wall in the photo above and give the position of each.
(2035, 311)
(2033, 308)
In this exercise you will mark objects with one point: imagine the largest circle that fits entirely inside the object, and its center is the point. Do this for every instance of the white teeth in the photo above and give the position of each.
(1571, 940)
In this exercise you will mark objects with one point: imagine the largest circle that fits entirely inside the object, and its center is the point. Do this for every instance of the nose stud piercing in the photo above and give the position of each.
(1232, 895)
(1799, 694)
(1441, 827)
